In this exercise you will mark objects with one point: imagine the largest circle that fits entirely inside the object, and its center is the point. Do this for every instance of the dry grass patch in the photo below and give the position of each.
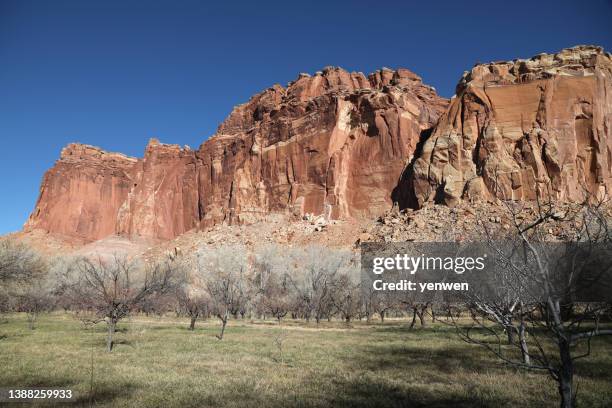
(159, 363)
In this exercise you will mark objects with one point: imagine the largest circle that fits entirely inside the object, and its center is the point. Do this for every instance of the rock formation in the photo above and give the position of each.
(163, 201)
(519, 129)
(334, 143)
(83, 193)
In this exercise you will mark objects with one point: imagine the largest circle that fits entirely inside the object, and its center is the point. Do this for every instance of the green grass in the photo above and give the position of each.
(159, 363)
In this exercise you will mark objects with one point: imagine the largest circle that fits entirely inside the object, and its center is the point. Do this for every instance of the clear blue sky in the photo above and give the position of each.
(115, 73)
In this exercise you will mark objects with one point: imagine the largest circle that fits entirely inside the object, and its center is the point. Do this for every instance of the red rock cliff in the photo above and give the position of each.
(163, 201)
(333, 143)
(82, 194)
(521, 128)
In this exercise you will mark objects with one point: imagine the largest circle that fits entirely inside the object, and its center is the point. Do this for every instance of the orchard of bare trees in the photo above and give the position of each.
(311, 283)
(231, 282)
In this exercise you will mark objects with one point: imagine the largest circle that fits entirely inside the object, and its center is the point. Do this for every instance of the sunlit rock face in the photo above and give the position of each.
(163, 202)
(519, 129)
(91, 194)
(334, 143)
(82, 194)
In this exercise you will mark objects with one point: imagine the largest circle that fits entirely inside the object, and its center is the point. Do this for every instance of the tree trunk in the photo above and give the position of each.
(421, 315)
(193, 322)
(567, 310)
(414, 314)
(566, 374)
(111, 331)
(523, 342)
(31, 320)
(382, 317)
(223, 324)
(509, 328)
(523, 337)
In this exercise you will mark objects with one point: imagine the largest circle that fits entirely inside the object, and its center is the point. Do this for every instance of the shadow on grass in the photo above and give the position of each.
(360, 393)
(102, 394)
(431, 365)
(385, 356)
(356, 392)
(596, 370)
(404, 329)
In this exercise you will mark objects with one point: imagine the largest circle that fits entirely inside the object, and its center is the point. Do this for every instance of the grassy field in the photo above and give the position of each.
(159, 363)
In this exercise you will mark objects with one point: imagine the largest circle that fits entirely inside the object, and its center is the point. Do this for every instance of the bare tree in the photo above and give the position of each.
(23, 280)
(276, 296)
(368, 295)
(193, 303)
(18, 263)
(315, 277)
(383, 302)
(223, 273)
(34, 298)
(112, 288)
(536, 301)
(273, 293)
(418, 309)
(280, 338)
(346, 293)
(346, 297)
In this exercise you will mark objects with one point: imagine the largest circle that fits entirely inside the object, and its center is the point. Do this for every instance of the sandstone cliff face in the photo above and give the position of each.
(163, 201)
(82, 194)
(521, 128)
(334, 143)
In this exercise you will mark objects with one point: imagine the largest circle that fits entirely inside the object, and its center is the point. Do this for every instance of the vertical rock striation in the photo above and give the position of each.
(82, 194)
(519, 129)
(163, 201)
